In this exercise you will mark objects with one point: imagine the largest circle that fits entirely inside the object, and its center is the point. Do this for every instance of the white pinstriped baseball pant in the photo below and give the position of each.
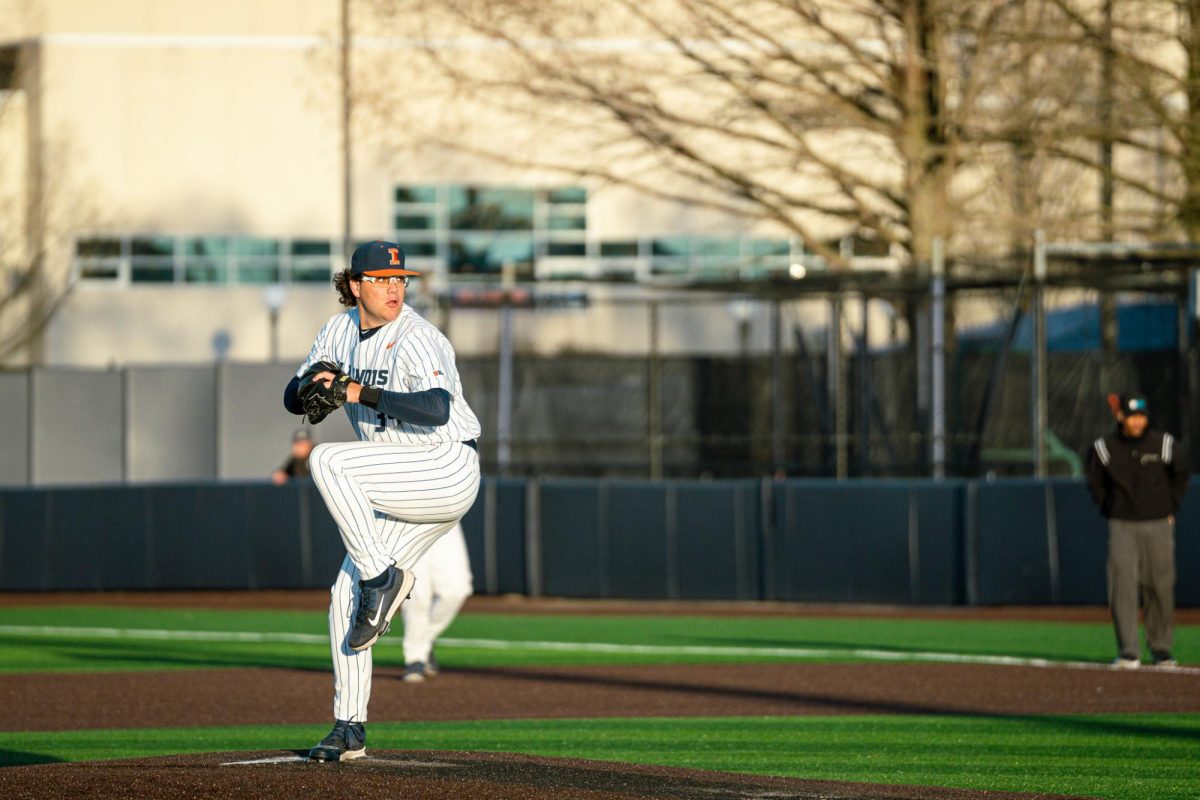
(444, 582)
(391, 502)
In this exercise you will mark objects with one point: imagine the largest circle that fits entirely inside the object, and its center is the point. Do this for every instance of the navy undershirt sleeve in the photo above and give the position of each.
(291, 397)
(430, 407)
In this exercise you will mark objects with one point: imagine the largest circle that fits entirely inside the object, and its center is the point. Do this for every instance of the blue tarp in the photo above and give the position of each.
(1140, 326)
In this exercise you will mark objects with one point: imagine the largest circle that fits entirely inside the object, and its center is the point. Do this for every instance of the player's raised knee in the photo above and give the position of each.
(323, 457)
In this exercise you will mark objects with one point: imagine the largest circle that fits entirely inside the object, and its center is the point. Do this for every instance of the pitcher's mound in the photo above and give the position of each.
(429, 775)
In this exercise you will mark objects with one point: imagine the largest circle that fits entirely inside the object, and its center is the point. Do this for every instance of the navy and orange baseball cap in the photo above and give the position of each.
(379, 259)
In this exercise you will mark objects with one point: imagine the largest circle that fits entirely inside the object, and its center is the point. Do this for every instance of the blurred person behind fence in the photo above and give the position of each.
(296, 465)
(1137, 477)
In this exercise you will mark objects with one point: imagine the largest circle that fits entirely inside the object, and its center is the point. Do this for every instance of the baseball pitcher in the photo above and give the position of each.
(412, 474)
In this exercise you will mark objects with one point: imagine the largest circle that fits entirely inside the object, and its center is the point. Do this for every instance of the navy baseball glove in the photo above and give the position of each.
(317, 399)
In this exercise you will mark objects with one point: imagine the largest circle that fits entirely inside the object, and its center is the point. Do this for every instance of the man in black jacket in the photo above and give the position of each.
(1137, 476)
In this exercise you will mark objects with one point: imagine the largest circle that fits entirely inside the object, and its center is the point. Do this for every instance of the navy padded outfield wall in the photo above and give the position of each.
(914, 542)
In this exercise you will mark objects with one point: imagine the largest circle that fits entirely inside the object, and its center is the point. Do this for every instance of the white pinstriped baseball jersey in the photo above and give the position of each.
(407, 354)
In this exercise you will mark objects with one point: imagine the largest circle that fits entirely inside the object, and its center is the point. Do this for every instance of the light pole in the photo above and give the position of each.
(347, 149)
(742, 310)
(273, 298)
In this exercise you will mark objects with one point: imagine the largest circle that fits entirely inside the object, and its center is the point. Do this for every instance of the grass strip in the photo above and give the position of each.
(1127, 756)
(839, 637)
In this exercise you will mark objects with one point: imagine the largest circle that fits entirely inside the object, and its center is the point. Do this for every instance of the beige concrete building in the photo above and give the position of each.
(187, 160)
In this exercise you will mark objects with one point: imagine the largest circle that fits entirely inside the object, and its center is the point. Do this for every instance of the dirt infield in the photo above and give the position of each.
(269, 696)
(427, 774)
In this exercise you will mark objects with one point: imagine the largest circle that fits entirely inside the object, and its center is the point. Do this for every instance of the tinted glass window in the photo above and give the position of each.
(98, 247)
(152, 271)
(204, 271)
(416, 194)
(258, 270)
(712, 246)
(568, 194)
(488, 209)
(310, 270)
(206, 246)
(99, 268)
(673, 246)
(310, 247)
(153, 246)
(566, 249)
(770, 247)
(567, 222)
(618, 249)
(249, 246)
(483, 253)
(414, 222)
(420, 248)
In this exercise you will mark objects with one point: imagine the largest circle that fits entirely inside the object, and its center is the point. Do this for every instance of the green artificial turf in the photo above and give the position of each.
(1130, 756)
(1120, 756)
(495, 639)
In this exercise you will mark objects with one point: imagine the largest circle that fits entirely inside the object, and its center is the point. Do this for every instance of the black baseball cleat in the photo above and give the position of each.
(347, 740)
(1164, 660)
(377, 606)
(414, 672)
(432, 667)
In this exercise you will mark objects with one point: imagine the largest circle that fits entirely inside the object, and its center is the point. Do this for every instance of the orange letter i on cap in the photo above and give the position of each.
(395, 251)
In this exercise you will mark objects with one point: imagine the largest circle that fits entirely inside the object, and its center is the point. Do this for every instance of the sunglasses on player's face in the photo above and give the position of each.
(390, 280)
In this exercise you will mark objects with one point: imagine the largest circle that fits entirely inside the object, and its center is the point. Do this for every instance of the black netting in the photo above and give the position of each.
(591, 415)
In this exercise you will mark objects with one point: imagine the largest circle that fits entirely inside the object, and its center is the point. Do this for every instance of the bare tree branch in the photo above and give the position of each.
(879, 117)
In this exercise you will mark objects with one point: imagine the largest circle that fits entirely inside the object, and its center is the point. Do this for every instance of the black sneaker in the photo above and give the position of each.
(347, 740)
(377, 606)
(1165, 661)
(431, 666)
(414, 672)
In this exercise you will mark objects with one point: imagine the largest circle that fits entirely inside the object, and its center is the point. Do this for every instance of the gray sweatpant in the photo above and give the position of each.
(1141, 561)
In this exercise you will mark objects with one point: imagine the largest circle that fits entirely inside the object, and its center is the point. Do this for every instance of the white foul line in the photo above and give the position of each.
(803, 653)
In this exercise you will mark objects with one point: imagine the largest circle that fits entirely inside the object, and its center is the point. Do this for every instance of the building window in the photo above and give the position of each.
(474, 231)
(490, 209)
(203, 259)
(415, 222)
(619, 249)
(566, 249)
(99, 258)
(488, 253)
(152, 259)
(257, 260)
(310, 260)
(416, 194)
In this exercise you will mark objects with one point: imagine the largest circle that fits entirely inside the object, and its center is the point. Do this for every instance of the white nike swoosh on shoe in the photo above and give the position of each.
(378, 615)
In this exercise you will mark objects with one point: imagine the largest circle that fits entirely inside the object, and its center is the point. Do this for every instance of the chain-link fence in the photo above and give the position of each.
(803, 407)
(591, 416)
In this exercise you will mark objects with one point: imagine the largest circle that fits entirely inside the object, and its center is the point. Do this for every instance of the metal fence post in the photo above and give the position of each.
(1037, 378)
(491, 501)
(836, 382)
(654, 397)
(778, 457)
(937, 366)
(504, 399)
(533, 538)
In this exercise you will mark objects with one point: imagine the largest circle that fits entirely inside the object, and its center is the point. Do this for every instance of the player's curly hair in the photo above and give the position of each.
(341, 282)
